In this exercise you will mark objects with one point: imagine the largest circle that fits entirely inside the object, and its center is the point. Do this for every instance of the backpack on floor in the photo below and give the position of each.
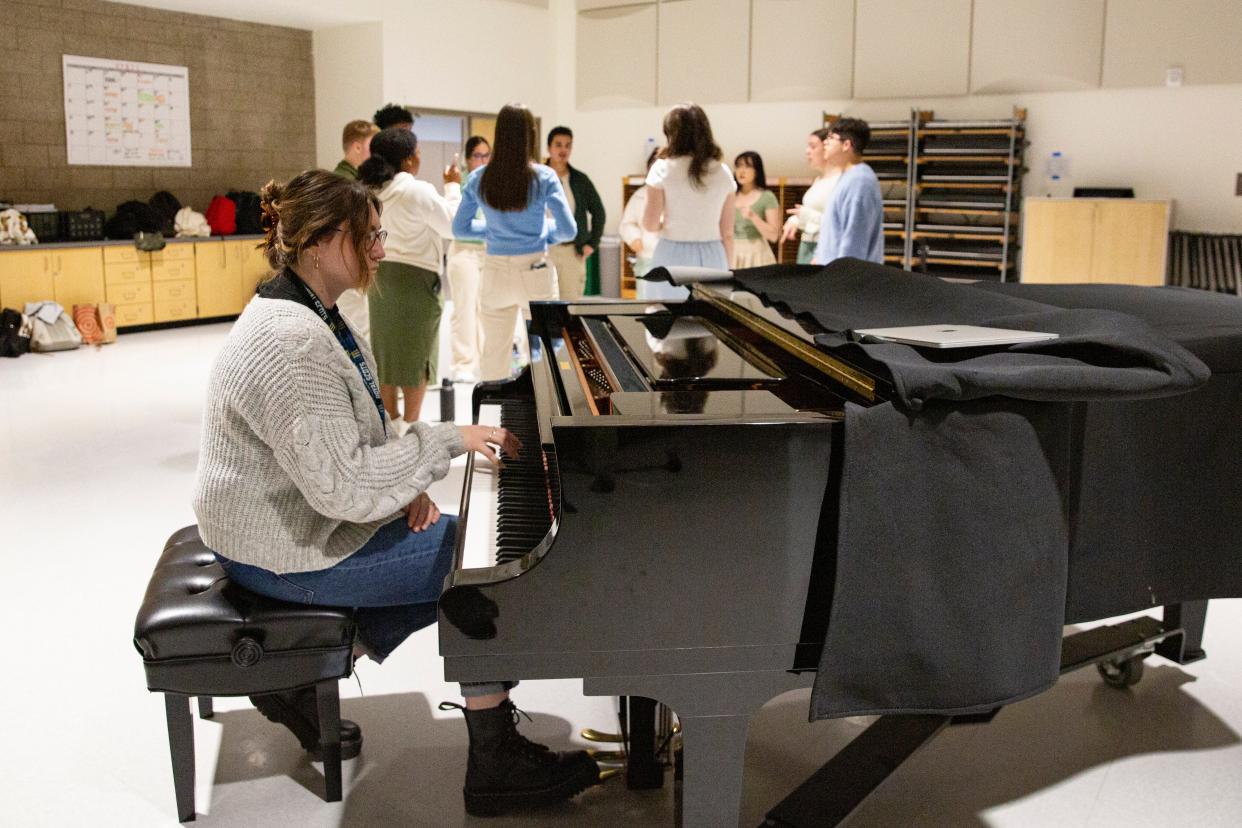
(14, 336)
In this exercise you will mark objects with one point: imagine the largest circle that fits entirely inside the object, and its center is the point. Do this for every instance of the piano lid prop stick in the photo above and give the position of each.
(682, 275)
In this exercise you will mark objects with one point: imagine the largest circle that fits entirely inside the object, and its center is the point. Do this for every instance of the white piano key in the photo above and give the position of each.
(480, 546)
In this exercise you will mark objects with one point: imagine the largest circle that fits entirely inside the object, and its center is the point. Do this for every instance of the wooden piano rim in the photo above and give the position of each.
(849, 377)
(582, 380)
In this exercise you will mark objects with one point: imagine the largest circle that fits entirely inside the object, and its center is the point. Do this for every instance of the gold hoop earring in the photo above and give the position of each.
(316, 261)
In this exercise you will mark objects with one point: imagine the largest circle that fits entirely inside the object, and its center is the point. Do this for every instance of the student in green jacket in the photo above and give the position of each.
(570, 258)
(356, 143)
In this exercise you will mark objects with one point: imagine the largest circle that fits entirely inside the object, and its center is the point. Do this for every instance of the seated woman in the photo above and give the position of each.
(305, 493)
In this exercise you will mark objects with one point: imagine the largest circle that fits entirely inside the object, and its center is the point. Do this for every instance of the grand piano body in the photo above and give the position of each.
(669, 531)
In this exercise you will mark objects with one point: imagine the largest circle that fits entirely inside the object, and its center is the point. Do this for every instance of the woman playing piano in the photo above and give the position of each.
(305, 494)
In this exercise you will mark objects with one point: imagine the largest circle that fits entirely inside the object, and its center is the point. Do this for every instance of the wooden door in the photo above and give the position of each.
(1130, 239)
(25, 276)
(1057, 240)
(77, 276)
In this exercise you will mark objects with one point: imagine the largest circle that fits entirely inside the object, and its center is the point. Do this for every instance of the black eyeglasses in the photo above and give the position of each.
(371, 238)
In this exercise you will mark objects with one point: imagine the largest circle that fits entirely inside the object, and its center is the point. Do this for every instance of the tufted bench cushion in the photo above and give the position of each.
(200, 634)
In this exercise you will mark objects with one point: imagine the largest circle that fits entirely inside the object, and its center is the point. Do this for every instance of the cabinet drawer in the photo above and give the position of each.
(122, 273)
(171, 270)
(136, 314)
(174, 252)
(173, 291)
(171, 310)
(129, 293)
(122, 254)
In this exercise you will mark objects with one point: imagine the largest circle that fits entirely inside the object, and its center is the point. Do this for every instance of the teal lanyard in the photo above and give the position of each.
(346, 338)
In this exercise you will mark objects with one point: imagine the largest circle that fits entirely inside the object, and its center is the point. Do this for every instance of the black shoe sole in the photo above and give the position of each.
(497, 803)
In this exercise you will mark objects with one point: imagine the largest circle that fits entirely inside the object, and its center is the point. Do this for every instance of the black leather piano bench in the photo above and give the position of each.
(201, 635)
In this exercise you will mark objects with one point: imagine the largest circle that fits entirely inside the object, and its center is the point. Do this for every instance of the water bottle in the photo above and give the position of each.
(648, 148)
(448, 401)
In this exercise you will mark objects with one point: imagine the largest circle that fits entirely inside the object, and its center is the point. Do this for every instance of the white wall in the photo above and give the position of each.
(1183, 143)
(349, 76)
(477, 54)
(472, 55)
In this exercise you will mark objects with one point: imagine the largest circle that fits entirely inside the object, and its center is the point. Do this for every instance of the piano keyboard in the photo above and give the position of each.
(512, 510)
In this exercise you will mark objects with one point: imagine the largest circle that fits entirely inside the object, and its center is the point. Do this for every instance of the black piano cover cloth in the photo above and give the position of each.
(995, 498)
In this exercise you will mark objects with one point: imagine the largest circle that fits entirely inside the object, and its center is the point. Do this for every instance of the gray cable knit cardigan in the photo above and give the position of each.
(295, 472)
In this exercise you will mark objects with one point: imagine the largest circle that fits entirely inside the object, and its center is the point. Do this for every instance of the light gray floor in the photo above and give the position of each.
(97, 455)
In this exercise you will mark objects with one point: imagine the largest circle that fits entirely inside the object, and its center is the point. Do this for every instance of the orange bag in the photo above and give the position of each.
(86, 318)
(107, 321)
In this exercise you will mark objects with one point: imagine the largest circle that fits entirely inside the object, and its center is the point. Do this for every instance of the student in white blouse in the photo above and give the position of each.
(690, 196)
(641, 242)
(805, 218)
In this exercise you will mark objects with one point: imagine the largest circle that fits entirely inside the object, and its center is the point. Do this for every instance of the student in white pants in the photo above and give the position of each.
(465, 270)
(525, 209)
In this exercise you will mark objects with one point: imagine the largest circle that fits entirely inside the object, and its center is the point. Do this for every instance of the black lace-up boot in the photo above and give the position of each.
(298, 710)
(507, 772)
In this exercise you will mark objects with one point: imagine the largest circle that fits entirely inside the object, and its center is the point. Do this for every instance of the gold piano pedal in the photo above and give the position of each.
(593, 735)
(607, 756)
(608, 773)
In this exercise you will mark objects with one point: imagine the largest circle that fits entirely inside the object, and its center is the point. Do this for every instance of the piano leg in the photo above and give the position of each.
(715, 711)
(1191, 616)
(713, 750)
(644, 770)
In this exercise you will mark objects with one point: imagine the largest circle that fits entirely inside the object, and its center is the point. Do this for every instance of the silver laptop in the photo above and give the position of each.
(952, 336)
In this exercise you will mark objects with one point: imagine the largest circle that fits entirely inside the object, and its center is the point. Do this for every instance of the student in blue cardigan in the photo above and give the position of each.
(853, 224)
(525, 210)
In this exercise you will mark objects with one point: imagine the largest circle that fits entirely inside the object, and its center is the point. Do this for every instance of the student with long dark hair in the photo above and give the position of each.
(405, 301)
(516, 195)
(757, 218)
(690, 197)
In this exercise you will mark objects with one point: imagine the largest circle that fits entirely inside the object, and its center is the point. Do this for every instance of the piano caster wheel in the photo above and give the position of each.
(1121, 673)
(593, 735)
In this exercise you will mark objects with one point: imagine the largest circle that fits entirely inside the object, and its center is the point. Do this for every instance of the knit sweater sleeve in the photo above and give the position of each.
(300, 405)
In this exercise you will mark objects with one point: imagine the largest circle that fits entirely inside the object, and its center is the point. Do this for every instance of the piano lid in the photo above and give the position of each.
(674, 350)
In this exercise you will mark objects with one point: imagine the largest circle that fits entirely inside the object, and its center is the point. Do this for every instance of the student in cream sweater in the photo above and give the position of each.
(306, 495)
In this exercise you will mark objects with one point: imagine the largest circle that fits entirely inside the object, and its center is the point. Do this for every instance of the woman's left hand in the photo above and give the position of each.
(421, 513)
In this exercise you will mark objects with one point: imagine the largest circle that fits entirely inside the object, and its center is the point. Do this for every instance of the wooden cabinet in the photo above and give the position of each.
(1105, 240)
(77, 276)
(186, 280)
(218, 274)
(255, 268)
(127, 277)
(25, 276)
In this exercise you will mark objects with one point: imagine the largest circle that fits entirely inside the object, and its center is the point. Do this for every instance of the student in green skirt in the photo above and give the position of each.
(405, 300)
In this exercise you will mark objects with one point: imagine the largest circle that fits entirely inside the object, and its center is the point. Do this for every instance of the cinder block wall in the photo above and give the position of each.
(252, 101)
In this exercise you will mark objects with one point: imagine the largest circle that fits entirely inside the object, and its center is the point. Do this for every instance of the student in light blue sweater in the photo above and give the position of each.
(525, 209)
(853, 224)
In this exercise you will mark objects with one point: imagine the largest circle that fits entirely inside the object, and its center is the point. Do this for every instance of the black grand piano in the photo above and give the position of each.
(669, 533)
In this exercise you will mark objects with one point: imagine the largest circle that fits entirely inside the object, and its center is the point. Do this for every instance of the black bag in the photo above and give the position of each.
(132, 217)
(167, 205)
(249, 212)
(12, 343)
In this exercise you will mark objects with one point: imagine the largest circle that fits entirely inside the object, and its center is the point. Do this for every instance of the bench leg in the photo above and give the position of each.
(329, 704)
(205, 710)
(181, 745)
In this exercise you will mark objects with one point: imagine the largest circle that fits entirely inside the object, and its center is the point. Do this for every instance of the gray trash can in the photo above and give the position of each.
(610, 248)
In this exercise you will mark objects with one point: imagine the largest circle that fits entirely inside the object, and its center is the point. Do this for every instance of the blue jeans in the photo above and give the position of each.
(393, 582)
